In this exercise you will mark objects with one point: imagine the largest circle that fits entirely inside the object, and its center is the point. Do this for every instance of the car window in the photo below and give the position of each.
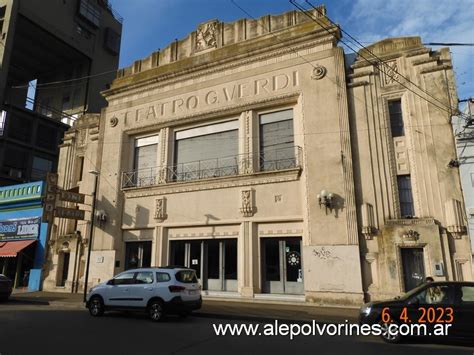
(436, 294)
(186, 276)
(162, 277)
(467, 295)
(145, 277)
(124, 279)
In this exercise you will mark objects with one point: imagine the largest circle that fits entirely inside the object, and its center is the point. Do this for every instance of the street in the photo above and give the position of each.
(39, 329)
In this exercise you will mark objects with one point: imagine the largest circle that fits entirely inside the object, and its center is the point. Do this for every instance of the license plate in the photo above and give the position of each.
(192, 292)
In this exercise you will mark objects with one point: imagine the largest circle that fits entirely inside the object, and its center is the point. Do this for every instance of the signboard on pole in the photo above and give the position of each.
(50, 198)
(71, 213)
(70, 196)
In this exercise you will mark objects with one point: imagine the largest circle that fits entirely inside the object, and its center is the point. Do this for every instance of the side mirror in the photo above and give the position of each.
(111, 282)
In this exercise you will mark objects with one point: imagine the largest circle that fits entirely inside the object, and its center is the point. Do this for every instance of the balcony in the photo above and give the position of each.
(242, 164)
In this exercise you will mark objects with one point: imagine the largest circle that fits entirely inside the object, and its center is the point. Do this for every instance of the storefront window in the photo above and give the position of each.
(137, 254)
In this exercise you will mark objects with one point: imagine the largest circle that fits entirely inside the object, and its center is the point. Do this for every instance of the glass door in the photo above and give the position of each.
(282, 265)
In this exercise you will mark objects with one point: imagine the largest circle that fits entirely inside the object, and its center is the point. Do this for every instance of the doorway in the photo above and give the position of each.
(282, 270)
(137, 254)
(65, 269)
(215, 261)
(413, 267)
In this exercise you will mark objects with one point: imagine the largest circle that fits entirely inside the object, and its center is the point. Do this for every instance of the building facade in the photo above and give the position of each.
(260, 155)
(55, 58)
(23, 235)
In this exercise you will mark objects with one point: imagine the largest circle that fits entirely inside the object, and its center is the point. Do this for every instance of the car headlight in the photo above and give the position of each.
(366, 308)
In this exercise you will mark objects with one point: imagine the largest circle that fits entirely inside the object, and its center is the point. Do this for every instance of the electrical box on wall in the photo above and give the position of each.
(438, 269)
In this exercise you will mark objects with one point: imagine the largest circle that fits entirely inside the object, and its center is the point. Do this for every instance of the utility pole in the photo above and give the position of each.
(91, 232)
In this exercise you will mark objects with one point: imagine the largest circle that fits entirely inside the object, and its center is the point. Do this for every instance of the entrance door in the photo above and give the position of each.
(137, 255)
(65, 269)
(413, 267)
(282, 266)
(215, 261)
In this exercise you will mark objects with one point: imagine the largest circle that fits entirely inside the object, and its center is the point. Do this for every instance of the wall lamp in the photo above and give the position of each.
(325, 198)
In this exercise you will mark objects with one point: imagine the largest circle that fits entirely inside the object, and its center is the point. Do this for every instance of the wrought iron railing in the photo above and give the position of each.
(241, 164)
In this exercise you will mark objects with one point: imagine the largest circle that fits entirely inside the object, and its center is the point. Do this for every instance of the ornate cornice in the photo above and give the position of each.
(160, 81)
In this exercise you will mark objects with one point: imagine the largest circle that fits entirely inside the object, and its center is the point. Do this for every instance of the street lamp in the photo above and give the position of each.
(91, 232)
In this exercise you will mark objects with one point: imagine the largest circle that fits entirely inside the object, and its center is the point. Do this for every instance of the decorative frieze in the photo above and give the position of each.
(389, 73)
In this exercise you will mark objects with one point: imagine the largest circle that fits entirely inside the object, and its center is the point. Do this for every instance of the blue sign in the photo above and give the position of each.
(20, 228)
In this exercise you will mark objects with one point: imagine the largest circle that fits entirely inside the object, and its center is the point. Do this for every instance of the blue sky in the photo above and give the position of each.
(152, 24)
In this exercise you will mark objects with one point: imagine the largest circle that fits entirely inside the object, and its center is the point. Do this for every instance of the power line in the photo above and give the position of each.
(388, 73)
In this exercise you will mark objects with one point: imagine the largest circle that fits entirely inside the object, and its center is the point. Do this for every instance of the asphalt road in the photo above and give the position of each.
(33, 329)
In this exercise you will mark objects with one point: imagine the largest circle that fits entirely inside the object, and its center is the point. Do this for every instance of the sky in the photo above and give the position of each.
(152, 24)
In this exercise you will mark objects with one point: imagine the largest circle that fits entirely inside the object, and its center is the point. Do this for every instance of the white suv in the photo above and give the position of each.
(155, 290)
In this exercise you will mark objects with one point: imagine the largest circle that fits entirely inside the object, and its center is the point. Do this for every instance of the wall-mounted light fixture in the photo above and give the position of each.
(325, 198)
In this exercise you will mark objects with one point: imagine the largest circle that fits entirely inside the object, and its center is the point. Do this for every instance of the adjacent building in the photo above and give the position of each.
(23, 235)
(55, 58)
(259, 154)
(464, 129)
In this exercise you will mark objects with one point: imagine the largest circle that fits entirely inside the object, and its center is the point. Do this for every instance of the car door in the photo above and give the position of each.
(118, 290)
(142, 289)
(433, 305)
(464, 315)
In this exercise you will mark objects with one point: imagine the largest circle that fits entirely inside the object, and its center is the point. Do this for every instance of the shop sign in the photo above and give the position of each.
(20, 228)
(50, 198)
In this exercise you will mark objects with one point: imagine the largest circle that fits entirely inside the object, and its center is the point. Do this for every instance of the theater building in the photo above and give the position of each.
(260, 155)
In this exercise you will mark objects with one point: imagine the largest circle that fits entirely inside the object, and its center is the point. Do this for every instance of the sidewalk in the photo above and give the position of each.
(222, 309)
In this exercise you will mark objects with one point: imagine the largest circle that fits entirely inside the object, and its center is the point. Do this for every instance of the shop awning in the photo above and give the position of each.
(11, 249)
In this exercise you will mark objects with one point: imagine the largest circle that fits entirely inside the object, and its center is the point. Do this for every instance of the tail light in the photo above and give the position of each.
(174, 289)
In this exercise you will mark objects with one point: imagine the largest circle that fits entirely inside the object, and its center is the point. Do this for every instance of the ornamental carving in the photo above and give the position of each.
(389, 73)
(411, 235)
(247, 205)
(160, 208)
(206, 36)
(113, 121)
(318, 72)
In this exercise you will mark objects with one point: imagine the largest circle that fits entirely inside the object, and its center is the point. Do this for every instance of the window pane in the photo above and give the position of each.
(145, 160)
(162, 277)
(144, 278)
(467, 295)
(186, 276)
(277, 141)
(405, 195)
(230, 259)
(207, 156)
(124, 279)
(213, 256)
(396, 118)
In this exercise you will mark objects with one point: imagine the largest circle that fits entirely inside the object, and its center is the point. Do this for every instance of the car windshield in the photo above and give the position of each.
(413, 292)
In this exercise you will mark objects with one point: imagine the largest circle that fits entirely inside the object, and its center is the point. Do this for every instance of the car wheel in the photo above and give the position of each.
(390, 335)
(96, 306)
(155, 311)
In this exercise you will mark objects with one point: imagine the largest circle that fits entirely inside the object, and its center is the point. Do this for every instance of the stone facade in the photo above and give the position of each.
(337, 246)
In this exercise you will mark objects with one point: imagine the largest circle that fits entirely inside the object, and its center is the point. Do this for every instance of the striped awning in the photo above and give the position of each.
(11, 249)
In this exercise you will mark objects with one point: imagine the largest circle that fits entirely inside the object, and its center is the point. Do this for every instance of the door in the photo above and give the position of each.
(65, 269)
(141, 290)
(282, 265)
(137, 255)
(413, 267)
(118, 291)
(464, 313)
